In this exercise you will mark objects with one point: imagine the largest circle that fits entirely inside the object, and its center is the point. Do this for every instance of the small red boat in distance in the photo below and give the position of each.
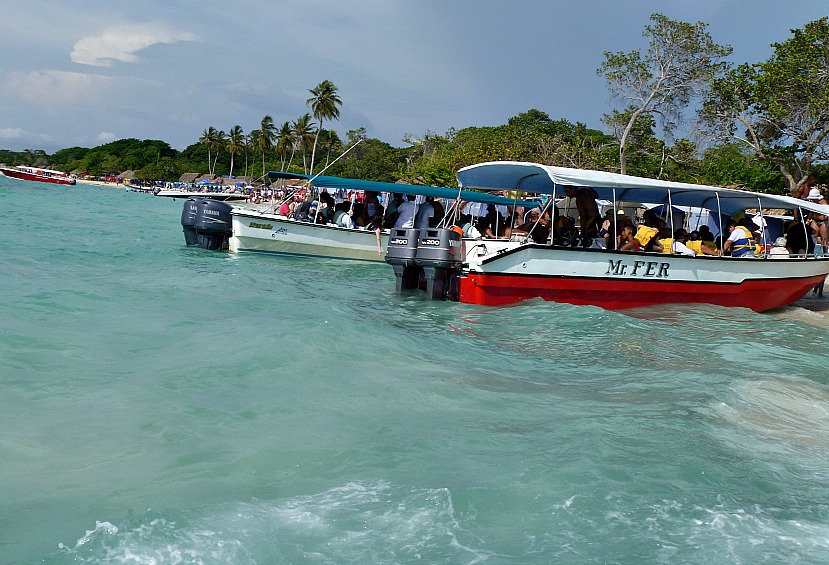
(37, 174)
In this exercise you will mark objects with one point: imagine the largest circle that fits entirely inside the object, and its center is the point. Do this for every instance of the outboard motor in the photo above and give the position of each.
(439, 255)
(400, 254)
(188, 220)
(213, 224)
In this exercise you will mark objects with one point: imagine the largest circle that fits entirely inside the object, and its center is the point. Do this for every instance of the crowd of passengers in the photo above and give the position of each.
(743, 235)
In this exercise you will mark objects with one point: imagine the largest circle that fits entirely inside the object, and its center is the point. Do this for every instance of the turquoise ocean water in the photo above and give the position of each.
(160, 404)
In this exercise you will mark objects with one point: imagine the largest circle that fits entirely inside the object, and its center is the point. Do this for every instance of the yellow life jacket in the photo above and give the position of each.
(667, 244)
(695, 246)
(644, 235)
(745, 245)
(710, 245)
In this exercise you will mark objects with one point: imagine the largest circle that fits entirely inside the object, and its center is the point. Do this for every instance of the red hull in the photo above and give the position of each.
(23, 175)
(615, 294)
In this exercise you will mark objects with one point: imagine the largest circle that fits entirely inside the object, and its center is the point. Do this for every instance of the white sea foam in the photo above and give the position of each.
(784, 412)
(355, 522)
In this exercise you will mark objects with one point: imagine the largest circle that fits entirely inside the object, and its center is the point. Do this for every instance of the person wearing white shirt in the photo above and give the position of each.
(406, 213)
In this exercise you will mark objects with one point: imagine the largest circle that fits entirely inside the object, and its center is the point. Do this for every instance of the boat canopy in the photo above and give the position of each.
(393, 187)
(545, 179)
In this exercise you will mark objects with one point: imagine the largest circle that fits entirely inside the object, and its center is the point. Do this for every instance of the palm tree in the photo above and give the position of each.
(219, 143)
(235, 144)
(267, 135)
(253, 143)
(208, 137)
(284, 141)
(303, 128)
(324, 106)
(329, 140)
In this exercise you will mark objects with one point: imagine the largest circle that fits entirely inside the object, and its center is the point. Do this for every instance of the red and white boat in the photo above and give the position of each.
(499, 271)
(37, 174)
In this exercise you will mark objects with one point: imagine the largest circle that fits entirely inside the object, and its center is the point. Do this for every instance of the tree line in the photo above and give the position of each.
(763, 126)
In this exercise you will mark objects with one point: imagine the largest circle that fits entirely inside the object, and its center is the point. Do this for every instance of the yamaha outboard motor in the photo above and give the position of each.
(400, 254)
(213, 224)
(188, 220)
(439, 255)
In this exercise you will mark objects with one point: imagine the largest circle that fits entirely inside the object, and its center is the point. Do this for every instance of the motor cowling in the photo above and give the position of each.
(439, 248)
(400, 254)
(188, 220)
(213, 224)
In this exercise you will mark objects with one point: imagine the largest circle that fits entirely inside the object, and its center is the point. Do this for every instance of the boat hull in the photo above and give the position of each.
(618, 280)
(24, 175)
(268, 233)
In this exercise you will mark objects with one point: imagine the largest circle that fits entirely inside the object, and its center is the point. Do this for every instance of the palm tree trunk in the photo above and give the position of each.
(314, 150)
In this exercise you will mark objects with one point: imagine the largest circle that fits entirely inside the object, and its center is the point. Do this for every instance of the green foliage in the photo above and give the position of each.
(779, 108)
(680, 60)
(372, 159)
(729, 165)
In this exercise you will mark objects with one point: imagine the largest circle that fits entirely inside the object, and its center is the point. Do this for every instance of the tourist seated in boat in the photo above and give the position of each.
(678, 247)
(607, 224)
(652, 244)
(799, 237)
(371, 216)
(341, 216)
(778, 249)
(666, 239)
(536, 226)
(565, 232)
(425, 214)
(696, 245)
(626, 240)
(327, 204)
(303, 211)
(740, 242)
(588, 209)
(467, 228)
(286, 209)
(391, 213)
(648, 229)
(440, 212)
(708, 238)
(492, 224)
(406, 213)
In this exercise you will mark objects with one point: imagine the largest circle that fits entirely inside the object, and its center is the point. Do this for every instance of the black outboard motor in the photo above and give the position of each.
(188, 220)
(400, 254)
(439, 255)
(213, 224)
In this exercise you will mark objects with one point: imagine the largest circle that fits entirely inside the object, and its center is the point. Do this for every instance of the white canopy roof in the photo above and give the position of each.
(545, 179)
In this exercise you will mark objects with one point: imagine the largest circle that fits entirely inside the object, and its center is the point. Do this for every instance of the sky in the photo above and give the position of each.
(88, 72)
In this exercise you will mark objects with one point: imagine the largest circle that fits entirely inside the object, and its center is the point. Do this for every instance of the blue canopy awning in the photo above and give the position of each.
(401, 188)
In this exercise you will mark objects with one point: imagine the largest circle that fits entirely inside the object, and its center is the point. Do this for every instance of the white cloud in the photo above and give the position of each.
(122, 42)
(106, 136)
(11, 135)
(54, 88)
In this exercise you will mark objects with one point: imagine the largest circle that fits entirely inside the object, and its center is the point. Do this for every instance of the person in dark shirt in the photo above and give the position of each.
(536, 226)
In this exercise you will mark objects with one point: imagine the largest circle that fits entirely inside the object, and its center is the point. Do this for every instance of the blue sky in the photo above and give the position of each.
(92, 71)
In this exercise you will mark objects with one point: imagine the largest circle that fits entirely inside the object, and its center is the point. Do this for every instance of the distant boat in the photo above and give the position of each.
(221, 196)
(129, 187)
(37, 174)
